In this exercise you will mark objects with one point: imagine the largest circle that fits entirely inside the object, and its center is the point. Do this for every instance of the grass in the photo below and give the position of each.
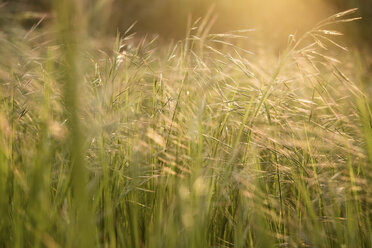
(195, 144)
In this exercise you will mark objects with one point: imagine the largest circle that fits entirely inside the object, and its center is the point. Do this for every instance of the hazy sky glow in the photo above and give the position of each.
(272, 18)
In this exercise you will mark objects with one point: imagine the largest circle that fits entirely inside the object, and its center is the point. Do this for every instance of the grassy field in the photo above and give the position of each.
(199, 143)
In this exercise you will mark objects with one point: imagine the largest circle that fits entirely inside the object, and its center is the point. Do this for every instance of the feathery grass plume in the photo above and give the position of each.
(201, 143)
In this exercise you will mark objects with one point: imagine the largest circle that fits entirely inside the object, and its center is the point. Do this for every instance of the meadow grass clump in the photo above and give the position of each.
(197, 144)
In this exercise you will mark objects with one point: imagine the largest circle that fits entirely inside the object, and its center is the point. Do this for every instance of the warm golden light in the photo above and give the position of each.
(185, 123)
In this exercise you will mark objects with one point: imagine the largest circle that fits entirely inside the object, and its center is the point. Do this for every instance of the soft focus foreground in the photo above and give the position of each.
(200, 143)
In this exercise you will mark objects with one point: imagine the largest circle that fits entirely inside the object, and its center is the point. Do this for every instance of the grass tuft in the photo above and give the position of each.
(201, 143)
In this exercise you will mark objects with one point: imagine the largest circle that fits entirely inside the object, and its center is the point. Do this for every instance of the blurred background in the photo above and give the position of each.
(273, 19)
